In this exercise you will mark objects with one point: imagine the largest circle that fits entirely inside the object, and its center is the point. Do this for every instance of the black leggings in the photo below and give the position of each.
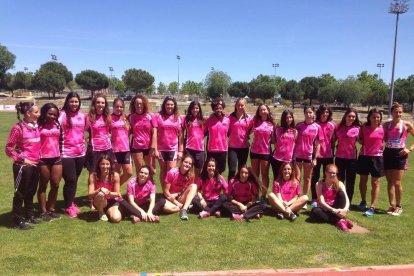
(212, 205)
(72, 168)
(320, 215)
(316, 173)
(25, 185)
(127, 209)
(252, 211)
(347, 174)
(237, 158)
(220, 160)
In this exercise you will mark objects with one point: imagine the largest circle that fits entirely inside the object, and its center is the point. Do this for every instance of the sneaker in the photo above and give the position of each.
(314, 204)
(293, 217)
(53, 215)
(280, 216)
(237, 217)
(342, 225)
(217, 214)
(370, 212)
(183, 214)
(135, 219)
(398, 211)
(203, 214)
(305, 207)
(362, 206)
(390, 210)
(71, 212)
(103, 217)
(156, 219)
(75, 208)
(92, 206)
(45, 217)
(22, 225)
(257, 216)
(33, 220)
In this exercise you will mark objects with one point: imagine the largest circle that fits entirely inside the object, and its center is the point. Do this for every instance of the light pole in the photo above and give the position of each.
(380, 65)
(54, 57)
(275, 65)
(397, 7)
(178, 67)
(111, 70)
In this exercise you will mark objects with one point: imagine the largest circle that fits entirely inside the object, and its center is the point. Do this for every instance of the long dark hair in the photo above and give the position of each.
(189, 118)
(204, 173)
(163, 111)
(251, 178)
(144, 99)
(322, 108)
(292, 176)
(43, 112)
(283, 123)
(370, 112)
(66, 107)
(123, 115)
(343, 120)
(258, 119)
(106, 113)
(98, 171)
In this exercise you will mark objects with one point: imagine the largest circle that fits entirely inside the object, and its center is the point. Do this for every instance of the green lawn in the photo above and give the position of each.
(88, 246)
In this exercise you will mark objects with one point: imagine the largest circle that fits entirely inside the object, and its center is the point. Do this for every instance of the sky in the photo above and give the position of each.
(240, 37)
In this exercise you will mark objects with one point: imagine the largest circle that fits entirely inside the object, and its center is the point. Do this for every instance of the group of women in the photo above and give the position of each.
(50, 144)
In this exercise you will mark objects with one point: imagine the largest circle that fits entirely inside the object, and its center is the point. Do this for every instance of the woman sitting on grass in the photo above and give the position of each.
(242, 196)
(179, 188)
(211, 185)
(104, 188)
(333, 202)
(285, 194)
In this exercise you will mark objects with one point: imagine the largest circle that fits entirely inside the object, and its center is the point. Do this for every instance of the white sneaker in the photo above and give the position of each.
(103, 217)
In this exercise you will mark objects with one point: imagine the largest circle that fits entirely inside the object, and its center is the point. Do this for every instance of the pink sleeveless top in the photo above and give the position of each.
(49, 140)
(372, 141)
(395, 137)
(329, 194)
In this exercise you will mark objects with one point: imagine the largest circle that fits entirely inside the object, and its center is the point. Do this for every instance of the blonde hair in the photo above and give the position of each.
(336, 180)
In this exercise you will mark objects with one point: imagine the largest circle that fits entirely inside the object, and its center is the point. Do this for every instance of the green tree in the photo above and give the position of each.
(137, 80)
(92, 80)
(377, 93)
(118, 85)
(351, 90)
(217, 83)
(262, 87)
(192, 88)
(239, 89)
(52, 77)
(22, 80)
(173, 87)
(7, 60)
(310, 87)
(291, 91)
(404, 91)
(328, 86)
(162, 88)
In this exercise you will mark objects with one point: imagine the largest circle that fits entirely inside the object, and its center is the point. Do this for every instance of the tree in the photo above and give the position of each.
(52, 77)
(262, 87)
(7, 60)
(173, 87)
(192, 88)
(377, 93)
(351, 90)
(328, 87)
(162, 88)
(239, 89)
(137, 80)
(92, 80)
(22, 80)
(404, 91)
(217, 83)
(310, 87)
(118, 85)
(291, 91)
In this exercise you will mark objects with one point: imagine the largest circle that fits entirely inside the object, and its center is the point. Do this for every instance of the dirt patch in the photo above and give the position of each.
(357, 229)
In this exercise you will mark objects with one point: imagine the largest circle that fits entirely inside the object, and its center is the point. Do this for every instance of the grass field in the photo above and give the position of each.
(88, 246)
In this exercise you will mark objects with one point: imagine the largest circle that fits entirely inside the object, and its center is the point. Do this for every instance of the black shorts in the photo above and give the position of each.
(370, 165)
(50, 161)
(93, 156)
(393, 161)
(123, 158)
(300, 160)
(144, 151)
(168, 156)
(198, 157)
(265, 157)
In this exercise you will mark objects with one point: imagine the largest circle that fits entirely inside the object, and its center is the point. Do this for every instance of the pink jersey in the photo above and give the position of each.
(286, 190)
(242, 192)
(168, 131)
(347, 138)
(329, 194)
(141, 125)
(328, 131)
(141, 193)
(395, 136)
(238, 130)
(262, 134)
(73, 139)
(285, 144)
(119, 134)
(210, 188)
(194, 134)
(371, 141)
(217, 130)
(24, 143)
(105, 184)
(99, 134)
(49, 140)
(307, 135)
(177, 181)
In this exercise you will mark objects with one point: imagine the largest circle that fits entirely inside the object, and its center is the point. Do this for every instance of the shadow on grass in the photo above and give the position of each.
(6, 220)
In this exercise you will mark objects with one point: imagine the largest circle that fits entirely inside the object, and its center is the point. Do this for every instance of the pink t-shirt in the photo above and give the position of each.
(73, 139)
(141, 125)
(177, 181)
(238, 130)
(119, 134)
(347, 137)
(194, 134)
(105, 184)
(210, 188)
(285, 143)
(395, 137)
(329, 194)
(217, 130)
(371, 141)
(307, 135)
(100, 138)
(141, 193)
(328, 131)
(286, 190)
(49, 140)
(262, 134)
(23, 143)
(242, 192)
(168, 132)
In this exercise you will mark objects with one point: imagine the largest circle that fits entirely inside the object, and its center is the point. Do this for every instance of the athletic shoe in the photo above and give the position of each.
(135, 219)
(75, 208)
(156, 219)
(314, 204)
(349, 223)
(92, 206)
(71, 212)
(203, 214)
(293, 217)
(342, 225)
(103, 217)
(390, 210)
(362, 206)
(305, 207)
(397, 212)
(45, 217)
(257, 216)
(217, 214)
(53, 215)
(237, 217)
(370, 212)
(280, 216)
(22, 225)
(33, 220)
(183, 214)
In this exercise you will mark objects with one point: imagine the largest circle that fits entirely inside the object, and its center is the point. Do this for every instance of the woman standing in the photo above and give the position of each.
(347, 134)
(23, 146)
(50, 164)
(240, 124)
(396, 156)
(370, 160)
(73, 124)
